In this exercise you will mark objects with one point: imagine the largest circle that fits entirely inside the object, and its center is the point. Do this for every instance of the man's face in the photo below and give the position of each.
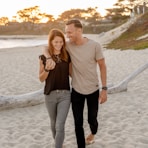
(71, 32)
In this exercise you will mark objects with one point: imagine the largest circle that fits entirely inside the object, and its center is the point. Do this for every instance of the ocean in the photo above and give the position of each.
(11, 42)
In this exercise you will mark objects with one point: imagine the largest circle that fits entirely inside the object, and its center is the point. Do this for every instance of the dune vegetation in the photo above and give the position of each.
(136, 36)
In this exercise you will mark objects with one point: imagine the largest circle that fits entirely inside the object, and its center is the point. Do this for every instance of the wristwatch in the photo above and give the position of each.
(48, 58)
(104, 88)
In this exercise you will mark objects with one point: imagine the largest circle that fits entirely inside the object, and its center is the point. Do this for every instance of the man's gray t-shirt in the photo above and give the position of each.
(84, 66)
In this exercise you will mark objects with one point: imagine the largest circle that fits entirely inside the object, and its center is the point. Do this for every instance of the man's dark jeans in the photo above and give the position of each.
(78, 101)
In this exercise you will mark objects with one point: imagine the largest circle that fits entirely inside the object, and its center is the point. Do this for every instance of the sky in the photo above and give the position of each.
(9, 8)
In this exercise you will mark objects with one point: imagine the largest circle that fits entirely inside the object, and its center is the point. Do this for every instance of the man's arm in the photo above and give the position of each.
(103, 75)
(46, 53)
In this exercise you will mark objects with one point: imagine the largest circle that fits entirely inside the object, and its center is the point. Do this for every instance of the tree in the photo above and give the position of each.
(122, 9)
(46, 17)
(87, 15)
(72, 13)
(4, 20)
(92, 15)
(128, 4)
(31, 14)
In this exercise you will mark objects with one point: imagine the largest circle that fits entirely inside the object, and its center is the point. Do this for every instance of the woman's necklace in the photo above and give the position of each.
(57, 58)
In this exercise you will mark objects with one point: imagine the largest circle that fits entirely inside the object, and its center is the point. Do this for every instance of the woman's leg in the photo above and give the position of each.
(62, 112)
(51, 105)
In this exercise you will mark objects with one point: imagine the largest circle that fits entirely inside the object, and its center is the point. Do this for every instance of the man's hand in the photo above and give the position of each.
(103, 97)
(50, 64)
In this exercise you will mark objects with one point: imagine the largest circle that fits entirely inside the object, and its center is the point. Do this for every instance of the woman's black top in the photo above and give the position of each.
(58, 78)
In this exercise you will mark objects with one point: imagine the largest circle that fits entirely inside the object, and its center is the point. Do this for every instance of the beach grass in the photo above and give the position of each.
(129, 39)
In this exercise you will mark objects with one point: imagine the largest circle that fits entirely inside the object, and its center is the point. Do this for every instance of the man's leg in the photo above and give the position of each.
(92, 104)
(78, 101)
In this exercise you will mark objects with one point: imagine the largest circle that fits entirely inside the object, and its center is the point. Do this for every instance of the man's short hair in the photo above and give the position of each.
(76, 23)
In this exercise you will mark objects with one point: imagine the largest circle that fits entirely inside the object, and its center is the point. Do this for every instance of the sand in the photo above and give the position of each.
(123, 119)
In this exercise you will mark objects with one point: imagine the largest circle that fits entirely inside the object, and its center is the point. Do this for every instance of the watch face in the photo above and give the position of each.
(104, 88)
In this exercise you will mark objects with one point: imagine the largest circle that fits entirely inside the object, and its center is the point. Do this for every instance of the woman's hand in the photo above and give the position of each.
(50, 64)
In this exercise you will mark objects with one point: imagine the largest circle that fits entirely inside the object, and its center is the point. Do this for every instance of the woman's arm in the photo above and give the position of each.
(43, 73)
(70, 69)
(49, 60)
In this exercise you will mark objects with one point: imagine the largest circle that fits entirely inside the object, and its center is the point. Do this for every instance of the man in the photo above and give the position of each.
(85, 55)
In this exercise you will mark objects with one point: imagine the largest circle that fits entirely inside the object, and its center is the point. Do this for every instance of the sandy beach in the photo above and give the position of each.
(123, 119)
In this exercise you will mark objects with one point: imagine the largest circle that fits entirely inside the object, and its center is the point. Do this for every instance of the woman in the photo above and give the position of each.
(57, 89)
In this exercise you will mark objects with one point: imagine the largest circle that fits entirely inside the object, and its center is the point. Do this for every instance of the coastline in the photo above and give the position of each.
(23, 36)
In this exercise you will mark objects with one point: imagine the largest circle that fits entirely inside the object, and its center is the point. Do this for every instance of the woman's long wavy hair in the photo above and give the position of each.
(52, 34)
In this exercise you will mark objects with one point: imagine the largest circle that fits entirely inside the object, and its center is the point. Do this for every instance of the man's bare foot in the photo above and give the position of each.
(90, 139)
